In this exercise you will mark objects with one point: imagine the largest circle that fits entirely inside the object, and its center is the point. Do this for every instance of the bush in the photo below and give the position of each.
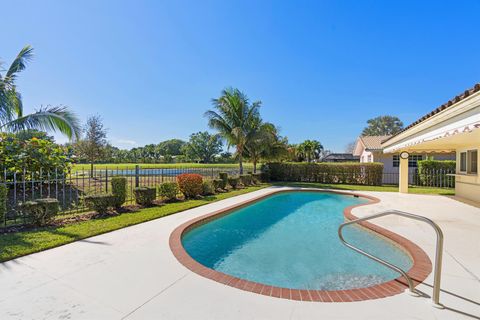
(246, 179)
(233, 181)
(190, 184)
(3, 202)
(434, 172)
(100, 202)
(217, 184)
(119, 190)
(168, 190)
(346, 173)
(144, 196)
(224, 177)
(41, 211)
(208, 188)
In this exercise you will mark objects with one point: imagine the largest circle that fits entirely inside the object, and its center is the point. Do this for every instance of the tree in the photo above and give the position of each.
(383, 126)
(310, 150)
(265, 143)
(203, 146)
(47, 118)
(350, 147)
(93, 146)
(170, 148)
(234, 117)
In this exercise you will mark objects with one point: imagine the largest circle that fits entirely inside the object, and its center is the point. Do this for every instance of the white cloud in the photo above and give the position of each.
(125, 142)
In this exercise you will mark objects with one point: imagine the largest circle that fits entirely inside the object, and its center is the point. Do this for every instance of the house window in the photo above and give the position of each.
(412, 160)
(396, 161)
(369, 158)
(472, 161)
(463, 162)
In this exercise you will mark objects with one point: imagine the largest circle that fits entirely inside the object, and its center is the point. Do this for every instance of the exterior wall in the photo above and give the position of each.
(365, 156)
(467, 186)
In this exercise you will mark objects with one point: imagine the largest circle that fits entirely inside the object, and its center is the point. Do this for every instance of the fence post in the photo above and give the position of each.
(106, 179)
(137, 176)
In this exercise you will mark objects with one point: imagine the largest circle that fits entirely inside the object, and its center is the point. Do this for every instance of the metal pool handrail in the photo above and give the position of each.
(438, 251)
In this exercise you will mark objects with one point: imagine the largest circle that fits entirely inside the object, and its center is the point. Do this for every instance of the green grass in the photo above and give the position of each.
(411, 189)
(123, 166)
(13, 245)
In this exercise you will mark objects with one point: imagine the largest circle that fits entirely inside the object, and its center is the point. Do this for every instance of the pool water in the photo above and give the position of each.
(290, 240)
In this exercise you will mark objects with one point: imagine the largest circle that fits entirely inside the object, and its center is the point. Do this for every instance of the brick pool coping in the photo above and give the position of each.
(419, 271)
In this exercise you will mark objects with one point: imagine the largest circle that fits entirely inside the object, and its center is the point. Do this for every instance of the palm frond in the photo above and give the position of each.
(20, 62)
(48, 119)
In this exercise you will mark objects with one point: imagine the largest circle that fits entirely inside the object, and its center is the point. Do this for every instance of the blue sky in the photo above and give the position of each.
(321, 68)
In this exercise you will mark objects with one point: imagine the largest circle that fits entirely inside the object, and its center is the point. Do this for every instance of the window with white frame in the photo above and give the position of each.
(469, 162)
(412, 160)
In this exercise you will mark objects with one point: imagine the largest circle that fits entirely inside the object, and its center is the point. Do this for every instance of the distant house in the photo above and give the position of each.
(369, 149)
(341, 157)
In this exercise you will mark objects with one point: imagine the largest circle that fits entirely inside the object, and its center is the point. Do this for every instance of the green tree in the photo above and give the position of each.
(265, 143)
(93, 146)
(310, 150)
(170, 148)
(234, 117)
(12, 118)
(383, 126)
(203, 147)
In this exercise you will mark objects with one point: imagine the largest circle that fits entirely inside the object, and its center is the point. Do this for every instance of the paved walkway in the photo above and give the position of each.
(131, 274)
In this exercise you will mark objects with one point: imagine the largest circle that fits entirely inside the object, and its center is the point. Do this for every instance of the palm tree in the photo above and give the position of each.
(265, 144)
(47, 118)
(235, 118)
(311, 149)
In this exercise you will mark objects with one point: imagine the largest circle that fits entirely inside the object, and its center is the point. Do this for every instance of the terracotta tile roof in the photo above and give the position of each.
(373, 142)
(444, 106)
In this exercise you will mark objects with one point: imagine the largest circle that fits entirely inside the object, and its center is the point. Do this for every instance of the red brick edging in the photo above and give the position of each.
(421, 267)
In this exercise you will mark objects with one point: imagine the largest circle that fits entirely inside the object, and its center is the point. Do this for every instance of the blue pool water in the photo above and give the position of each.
(290, 240)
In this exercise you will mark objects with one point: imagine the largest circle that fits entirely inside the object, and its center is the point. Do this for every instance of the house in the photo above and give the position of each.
(341, 157)
(370, 149)
(452, 127)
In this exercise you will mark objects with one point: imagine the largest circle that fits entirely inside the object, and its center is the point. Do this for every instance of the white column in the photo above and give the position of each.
(403, 176)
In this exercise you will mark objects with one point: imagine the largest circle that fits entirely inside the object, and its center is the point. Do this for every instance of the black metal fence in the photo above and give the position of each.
(439, 178)
(69, 188)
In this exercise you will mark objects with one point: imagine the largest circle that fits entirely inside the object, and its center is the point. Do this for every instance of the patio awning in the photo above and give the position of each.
(462, 126)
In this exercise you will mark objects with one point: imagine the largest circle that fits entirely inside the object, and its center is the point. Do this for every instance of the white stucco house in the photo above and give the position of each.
(369, 149)
(451, 127)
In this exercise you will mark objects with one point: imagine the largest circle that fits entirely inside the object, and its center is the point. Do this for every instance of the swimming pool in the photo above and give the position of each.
(290, 240)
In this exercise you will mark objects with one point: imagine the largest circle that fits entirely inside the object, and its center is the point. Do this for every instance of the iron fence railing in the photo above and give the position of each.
(70, 187)
(438, 178)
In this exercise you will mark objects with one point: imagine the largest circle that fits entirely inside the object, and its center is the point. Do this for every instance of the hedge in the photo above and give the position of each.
(3, 202)
(434, 172)
(234, 182)
(41, 211)
(224, 177)
(341, 173)
(190, 184)
(168, 191)
(100, 202)
(119, 190)
(145, 196)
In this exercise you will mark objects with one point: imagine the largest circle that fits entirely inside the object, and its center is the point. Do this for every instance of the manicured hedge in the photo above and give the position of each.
(100, 202)
(208, 188)
(119, 190)
(168, 191)
(234, 182)
(342, 173)
(190, 184)
(145, 196)
(224, 177)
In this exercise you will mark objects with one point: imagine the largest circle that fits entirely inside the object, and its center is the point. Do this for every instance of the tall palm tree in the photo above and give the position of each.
(311, 149)
(47, 118)
(235, 119)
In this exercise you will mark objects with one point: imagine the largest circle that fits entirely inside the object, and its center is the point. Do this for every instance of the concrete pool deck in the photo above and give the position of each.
(132, 274)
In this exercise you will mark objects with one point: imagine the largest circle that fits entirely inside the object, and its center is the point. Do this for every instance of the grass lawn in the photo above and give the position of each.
(13, 245)
(411, 189)
(123, 166)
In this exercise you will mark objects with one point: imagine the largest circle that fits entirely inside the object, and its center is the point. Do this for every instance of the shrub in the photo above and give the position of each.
(217, 184)
(3, 202)
(119, 190)
(100, 202)
(346, 173)
(434, 172)
(233, 181)
(168, 190)
(144, 196)
(190, 184)
(224, 177)
(41, 211)
(246, 179)
(208, 188)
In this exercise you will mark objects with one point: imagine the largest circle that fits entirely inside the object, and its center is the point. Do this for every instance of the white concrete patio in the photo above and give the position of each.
(131, 274)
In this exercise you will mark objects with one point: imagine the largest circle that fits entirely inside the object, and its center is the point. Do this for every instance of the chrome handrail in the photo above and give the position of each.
(438, 251)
